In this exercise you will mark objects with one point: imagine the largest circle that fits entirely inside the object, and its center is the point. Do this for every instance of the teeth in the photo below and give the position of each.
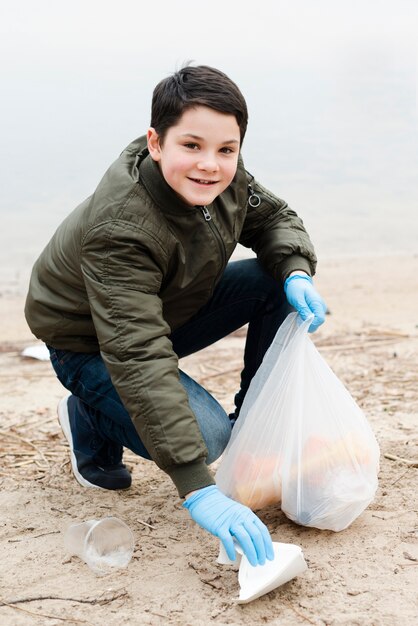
(203, 182)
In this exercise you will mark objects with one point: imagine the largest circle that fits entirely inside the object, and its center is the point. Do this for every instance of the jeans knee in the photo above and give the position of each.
(267, 289)
(218, 441)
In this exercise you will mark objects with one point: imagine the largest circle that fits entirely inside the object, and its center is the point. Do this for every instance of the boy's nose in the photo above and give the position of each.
(208, 164)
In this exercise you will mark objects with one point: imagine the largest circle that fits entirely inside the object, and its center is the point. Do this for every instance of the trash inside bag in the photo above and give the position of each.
(256, 581)
(301, 441)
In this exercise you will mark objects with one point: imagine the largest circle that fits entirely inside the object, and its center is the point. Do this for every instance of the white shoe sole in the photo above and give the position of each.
(64, 421)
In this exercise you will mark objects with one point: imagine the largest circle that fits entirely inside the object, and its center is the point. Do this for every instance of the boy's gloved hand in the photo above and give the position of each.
(302, 295)
(226, 519)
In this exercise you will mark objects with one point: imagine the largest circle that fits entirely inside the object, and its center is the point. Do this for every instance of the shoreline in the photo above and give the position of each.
(361, 293)
(15, 278)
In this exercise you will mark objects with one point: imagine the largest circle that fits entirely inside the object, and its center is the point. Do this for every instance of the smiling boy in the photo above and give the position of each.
(138, 277)
(198, 157)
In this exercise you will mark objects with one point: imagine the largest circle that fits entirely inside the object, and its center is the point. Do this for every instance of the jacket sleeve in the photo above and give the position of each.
(122, 268)
(276, 234)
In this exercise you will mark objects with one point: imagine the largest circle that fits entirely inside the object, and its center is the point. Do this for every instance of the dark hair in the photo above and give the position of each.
(191, 87)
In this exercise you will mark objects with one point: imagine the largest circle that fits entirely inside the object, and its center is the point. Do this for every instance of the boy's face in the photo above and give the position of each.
(198, 157)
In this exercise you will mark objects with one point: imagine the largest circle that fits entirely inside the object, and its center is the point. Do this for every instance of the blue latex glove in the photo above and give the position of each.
(302, 295)
(226, 519)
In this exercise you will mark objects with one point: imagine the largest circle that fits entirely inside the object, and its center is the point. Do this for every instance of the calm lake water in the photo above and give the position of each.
(335, 133)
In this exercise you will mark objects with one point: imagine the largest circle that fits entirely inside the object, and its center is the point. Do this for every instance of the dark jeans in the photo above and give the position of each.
(245, 294)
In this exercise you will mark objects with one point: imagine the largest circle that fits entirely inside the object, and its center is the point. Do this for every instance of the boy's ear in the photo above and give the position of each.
(153, 140)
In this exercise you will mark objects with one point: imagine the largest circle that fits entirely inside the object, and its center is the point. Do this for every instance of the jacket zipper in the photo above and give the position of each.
(208, 218)
(206, 213)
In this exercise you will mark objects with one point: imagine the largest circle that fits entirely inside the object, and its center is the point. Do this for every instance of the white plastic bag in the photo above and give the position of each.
(301, 439)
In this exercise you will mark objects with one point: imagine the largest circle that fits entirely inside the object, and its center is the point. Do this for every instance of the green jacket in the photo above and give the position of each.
(131, 264)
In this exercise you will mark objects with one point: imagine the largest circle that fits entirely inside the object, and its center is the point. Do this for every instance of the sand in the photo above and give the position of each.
(367, 574)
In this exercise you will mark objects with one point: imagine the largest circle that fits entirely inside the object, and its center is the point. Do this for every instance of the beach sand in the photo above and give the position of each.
(367, 574)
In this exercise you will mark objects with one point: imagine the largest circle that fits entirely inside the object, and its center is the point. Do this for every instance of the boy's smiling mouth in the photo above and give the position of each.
(201, 181)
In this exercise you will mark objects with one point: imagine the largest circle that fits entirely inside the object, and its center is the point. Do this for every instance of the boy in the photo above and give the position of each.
(138, 277)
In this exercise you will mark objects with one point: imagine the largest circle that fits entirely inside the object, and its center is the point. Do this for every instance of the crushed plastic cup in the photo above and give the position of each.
(256, 581)
(103, 544)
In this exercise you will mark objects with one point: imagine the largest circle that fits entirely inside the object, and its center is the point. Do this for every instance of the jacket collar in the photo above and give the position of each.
(159, 190)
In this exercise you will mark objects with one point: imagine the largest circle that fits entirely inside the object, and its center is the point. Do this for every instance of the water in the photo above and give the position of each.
(333, 113)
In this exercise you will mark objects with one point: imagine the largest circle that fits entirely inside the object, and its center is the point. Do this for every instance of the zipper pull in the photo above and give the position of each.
(254, 200)
(206, 213)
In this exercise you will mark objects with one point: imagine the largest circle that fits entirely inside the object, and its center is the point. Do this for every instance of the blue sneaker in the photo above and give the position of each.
(95, 461)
